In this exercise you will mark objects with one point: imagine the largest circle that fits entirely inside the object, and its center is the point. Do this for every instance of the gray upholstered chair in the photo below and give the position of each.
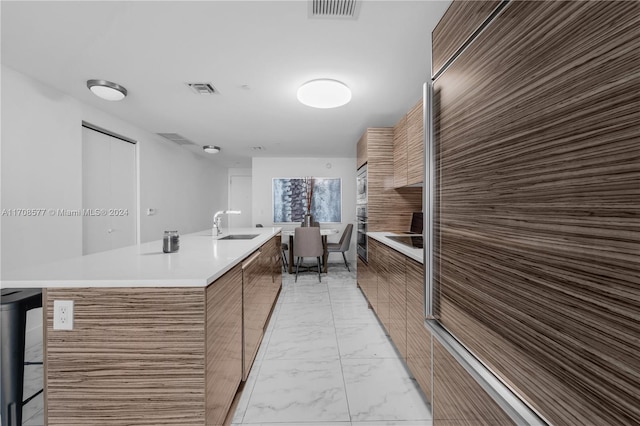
(343, 245)
(307, 242)
(285, 262)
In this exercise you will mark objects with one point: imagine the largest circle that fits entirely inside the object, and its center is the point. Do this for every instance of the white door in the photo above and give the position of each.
(108, 192)
(240, 199)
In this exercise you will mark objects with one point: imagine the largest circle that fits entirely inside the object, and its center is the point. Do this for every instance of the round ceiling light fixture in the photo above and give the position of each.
(324, 93)
(211, 149)
(107, 90)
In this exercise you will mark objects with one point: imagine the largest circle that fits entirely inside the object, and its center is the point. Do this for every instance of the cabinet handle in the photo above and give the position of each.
(251, 259)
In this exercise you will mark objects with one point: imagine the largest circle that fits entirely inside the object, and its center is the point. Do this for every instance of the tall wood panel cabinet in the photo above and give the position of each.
(457, 25)
(388, 208)
(536, 234)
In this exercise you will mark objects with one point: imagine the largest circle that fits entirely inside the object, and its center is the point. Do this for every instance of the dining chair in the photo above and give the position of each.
(343, 245)
(285, 248)
(307, 242)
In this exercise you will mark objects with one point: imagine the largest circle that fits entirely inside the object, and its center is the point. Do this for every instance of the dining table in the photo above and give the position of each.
(324, 232)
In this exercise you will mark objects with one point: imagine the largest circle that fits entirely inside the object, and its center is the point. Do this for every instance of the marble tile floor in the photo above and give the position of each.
(324, 361)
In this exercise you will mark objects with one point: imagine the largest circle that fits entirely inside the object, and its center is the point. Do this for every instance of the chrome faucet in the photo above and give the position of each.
(217, 218)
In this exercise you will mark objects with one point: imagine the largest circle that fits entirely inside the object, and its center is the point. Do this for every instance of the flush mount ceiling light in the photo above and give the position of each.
(107, 90)
(324, 93)
(210, 149)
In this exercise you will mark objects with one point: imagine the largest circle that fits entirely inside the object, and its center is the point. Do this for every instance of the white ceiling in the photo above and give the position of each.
(256, 53)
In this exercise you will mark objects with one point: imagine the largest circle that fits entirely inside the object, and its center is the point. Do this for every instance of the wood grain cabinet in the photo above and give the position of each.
(394, 286)
(400, 148)
(381, 267)
(538, 166)
(135, 356)
(272, 270)
(415, 144)
(362, 151)
(260, 286)
(458, 23)
(418, 336)
(367, 281)
(224, 344)
(388, 208)
(158, 356)
(408, 148)
(253, 290)
(398, 300)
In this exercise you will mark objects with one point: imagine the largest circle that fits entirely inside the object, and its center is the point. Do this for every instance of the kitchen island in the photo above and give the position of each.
(158, 338)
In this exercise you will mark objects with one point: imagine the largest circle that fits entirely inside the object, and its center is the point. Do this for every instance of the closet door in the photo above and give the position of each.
(108, 192)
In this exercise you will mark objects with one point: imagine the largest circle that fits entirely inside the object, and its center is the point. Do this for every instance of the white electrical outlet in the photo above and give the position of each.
(63, 314)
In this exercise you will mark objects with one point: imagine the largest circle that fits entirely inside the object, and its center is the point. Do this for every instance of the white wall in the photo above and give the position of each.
(42, 168)
(265, 169)
(234, 192)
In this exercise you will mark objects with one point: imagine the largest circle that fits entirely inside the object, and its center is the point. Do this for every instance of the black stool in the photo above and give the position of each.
(15, 304)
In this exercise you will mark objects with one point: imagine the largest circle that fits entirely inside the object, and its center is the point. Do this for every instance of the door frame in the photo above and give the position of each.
(239, 173)
(136, 153)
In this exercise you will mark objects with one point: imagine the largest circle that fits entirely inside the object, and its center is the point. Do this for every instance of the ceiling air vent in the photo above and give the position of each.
(334, 9)
(176, 138)
(202, 88)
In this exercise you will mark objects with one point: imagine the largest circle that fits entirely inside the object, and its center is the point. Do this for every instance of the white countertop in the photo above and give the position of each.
(323, 231)
(410, 252)
(200, 260)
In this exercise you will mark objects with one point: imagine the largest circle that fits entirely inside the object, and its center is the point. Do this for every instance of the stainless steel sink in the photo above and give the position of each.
(239, 237)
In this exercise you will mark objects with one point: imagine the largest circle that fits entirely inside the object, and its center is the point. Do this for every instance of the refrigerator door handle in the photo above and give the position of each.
(429, 180)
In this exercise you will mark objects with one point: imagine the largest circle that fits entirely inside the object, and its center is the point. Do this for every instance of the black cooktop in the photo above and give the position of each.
(414, 241)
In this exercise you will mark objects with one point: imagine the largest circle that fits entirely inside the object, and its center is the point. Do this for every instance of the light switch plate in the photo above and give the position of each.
(63, 314)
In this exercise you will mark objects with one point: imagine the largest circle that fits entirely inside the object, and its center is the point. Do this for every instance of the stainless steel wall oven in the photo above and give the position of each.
(361, 212)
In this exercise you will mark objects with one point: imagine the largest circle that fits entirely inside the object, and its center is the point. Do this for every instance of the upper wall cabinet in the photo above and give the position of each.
(415, 144)
(362, 151)
(408, 148)
(400, 153)
(460, 21)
